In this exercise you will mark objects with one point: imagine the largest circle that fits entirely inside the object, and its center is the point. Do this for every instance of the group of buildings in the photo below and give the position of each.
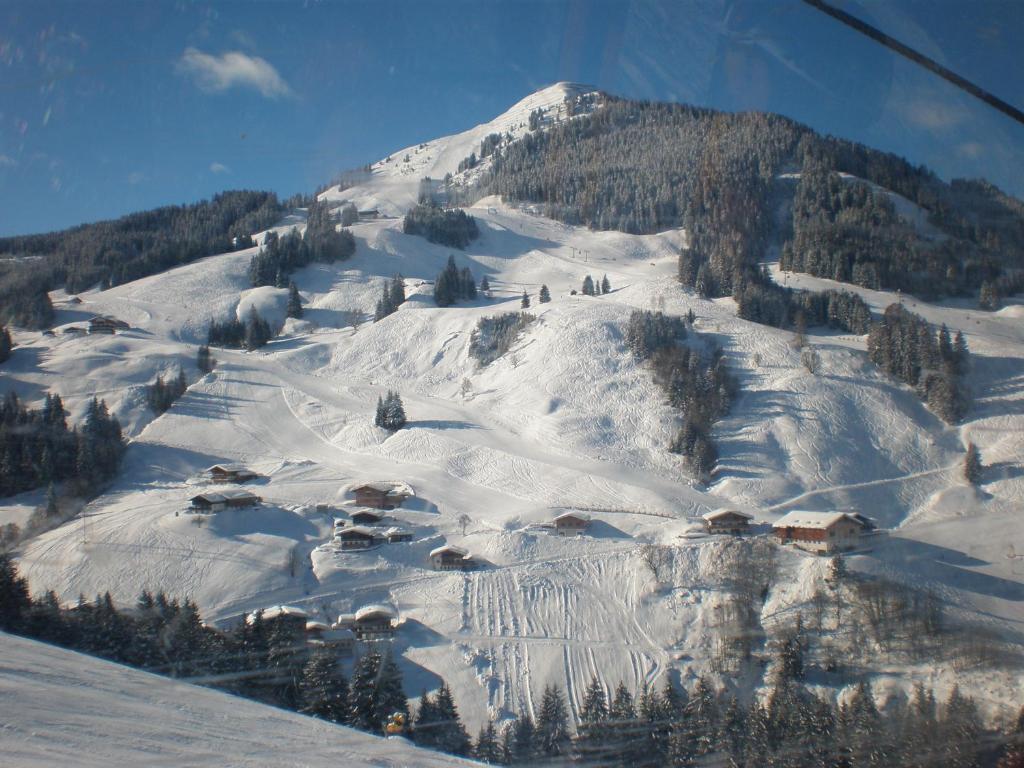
(823, 532)
(369, 624)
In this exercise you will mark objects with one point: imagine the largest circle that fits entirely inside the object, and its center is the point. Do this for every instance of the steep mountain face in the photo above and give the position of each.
(567, 418)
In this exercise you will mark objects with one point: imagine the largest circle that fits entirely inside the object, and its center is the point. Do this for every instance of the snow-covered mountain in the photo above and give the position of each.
(78, 710)
(566, 420)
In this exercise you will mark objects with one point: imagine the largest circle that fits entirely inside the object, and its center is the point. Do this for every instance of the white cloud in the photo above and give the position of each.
(6, 161)
(933, 114)
(214, 74)
(219, 168)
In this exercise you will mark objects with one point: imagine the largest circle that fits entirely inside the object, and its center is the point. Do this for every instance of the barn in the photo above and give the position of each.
(819, 531)
(729, 521)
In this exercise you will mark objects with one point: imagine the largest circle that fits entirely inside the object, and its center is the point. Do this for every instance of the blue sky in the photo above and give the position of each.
(111, 107)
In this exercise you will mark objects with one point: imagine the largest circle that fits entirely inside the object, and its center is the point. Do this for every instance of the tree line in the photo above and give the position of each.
(904, 346)
(37, 447)
(114, 252)
(695, 380)
(789, 726)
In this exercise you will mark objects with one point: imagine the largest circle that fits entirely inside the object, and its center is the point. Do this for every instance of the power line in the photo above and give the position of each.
(919, 58)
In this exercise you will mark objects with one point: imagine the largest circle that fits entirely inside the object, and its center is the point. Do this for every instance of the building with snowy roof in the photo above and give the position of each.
(357, 537)
(220, 500)
(230, 473)
(448, 557)
(729, 521)
(819, 531)
(380, 495)
(371, 622)
(571, 523)
(367, 517)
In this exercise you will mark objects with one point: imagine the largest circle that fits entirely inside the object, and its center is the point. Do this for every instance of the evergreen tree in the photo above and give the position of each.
(606, 286)
(525, 301)
(362, 705)
(52, 508)
(294, 308)
(588, 286)
(552, 736)
(396, 294)
(14, 598)
(349, 215)
(485, 286)
(452, 736)
(545, 295)
(389, 697)
(524, 740)
(323, 689)
(591, 734)
(6, 345)
(487, 749)
(390, 412)
(972, 465)
(425, 728)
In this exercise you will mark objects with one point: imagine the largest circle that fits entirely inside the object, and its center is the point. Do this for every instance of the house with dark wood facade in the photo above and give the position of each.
(230, 473)
(357, 537)
(571, 523)
(379, 495)
(451, 558)
(729, 521)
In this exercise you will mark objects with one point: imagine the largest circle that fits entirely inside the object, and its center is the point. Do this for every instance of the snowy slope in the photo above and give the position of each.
(392, 186)
(565, 420)
(65, 708)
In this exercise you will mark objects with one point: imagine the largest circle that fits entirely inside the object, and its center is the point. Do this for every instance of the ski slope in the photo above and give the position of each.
(78, 710)
(565, 420)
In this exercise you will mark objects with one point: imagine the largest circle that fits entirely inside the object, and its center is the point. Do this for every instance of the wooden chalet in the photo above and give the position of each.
(371, 622)
(356, 537)
(397, 535)
(819, 531)
(369, 215)
(367, 517)
(451, 558)
(379, 496)
(215, 502)
(571, 523)
(729, 521)
(105, 324)
(230, 473)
